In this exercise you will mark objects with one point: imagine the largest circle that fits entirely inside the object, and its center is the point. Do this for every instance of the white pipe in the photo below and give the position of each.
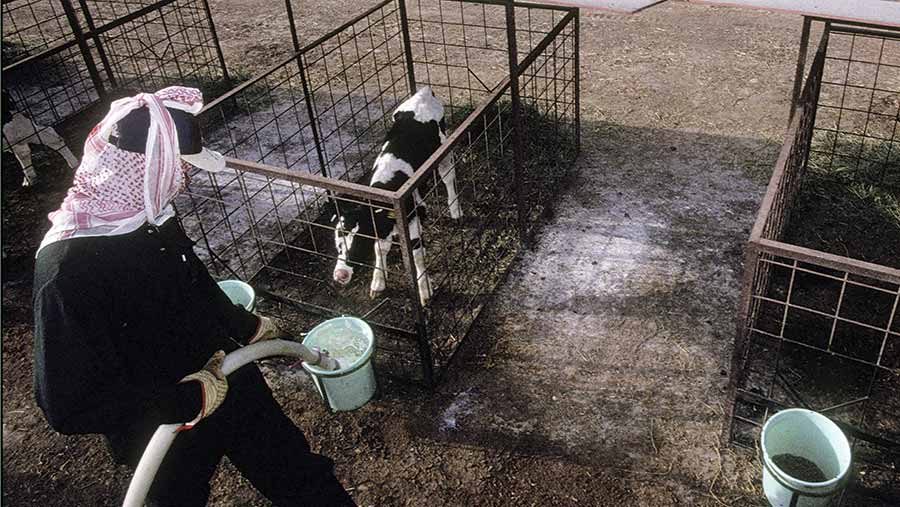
(162, 440)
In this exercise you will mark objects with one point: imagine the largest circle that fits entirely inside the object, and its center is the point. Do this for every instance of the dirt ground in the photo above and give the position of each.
(597, 374)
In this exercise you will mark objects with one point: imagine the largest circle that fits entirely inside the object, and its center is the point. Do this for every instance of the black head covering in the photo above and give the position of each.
(133, 128)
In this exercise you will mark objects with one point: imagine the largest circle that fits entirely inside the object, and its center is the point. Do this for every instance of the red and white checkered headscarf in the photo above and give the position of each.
(115, 191)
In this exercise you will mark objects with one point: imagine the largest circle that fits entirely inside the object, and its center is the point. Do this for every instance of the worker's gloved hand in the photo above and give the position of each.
(268, 329)
(214, 385)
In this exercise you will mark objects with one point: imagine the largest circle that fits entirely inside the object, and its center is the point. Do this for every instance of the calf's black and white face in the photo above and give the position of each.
(354, 229)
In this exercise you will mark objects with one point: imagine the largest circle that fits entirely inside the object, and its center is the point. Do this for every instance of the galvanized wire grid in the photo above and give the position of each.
(62, 56)
(859, 107)
(31, 26)
(817, 330)
(171, 44)
(270, 219)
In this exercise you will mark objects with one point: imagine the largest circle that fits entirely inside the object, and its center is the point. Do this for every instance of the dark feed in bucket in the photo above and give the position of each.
(799, 468)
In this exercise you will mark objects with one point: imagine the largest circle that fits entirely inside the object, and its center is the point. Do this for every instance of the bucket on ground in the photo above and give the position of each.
(239, 293)
(351, 342)
(806, 459)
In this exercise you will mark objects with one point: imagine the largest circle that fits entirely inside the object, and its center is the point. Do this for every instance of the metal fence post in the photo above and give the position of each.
(418, 312)
(101, 51)
(517, 124)
(215, 37)
(577, 21)
(801, 63)
(83, 46)
(304, 84)
(407, 47)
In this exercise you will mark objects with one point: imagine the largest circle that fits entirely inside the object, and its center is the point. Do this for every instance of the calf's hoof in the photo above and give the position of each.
(376, 289)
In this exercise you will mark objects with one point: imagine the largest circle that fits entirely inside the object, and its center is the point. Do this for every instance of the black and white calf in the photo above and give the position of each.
(19, 131)
(417, 132)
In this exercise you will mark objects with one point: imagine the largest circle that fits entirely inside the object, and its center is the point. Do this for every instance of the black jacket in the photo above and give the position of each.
(118, 322)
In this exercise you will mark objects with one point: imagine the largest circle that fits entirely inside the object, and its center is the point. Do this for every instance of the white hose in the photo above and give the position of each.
(162, 440)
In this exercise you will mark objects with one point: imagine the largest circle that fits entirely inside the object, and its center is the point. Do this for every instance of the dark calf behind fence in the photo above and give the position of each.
(304, 134)
(819, 326)
(60, 57)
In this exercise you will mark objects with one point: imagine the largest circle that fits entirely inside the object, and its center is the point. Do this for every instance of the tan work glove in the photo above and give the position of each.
(213, 384)
(267, 329)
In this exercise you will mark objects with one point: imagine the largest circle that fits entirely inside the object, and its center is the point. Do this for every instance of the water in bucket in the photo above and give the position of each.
(351, 342)
(345, 347)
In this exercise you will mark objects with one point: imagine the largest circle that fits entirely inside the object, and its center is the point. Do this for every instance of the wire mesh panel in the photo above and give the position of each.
(820, 321)
(548, 88)
(32, 26)
(161, 44)
(357, 76)
(60, 57)
(45, 81)
(297, 205)
(856, 132)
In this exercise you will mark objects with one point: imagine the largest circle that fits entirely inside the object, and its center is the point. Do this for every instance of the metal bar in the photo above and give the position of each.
(517, 124)
(83, 46)
(801, 63)
(328, 312)
(742, 332)
(43, 54)
(130, 17)
(527, 5)
(418, 312)
(851, 431)
(215, 38)
(861, 28)
(341, 186)
(577, 82)
(304, 85)
(407, 47)
(101, 51)
(828, 260)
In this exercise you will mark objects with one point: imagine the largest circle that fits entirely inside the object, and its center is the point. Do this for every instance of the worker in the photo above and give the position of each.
(131, 330)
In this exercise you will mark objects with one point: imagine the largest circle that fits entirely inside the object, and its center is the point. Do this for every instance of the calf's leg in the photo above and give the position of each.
(23, 155)
(448, 176)
(51, 139)
(415, 235)
(379, 274)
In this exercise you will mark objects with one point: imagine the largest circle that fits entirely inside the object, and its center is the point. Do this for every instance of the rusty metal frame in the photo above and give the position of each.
(766, 250)
(400, 200)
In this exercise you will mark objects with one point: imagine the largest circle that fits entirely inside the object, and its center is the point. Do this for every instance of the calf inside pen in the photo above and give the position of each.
(19, 131)
(418, 131)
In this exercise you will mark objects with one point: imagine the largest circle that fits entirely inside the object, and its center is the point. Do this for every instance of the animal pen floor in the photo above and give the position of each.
(596, 375)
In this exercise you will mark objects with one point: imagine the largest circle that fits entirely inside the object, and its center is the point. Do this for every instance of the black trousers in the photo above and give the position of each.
(260, 440)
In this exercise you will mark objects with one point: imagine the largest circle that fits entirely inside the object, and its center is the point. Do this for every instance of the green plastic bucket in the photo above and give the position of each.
(239, 293)
(812, 438)
(353, 384)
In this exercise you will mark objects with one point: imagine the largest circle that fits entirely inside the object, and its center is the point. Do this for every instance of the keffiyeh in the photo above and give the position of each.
(115, 191)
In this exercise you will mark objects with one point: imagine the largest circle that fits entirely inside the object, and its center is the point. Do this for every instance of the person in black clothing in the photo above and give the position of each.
(130, 329)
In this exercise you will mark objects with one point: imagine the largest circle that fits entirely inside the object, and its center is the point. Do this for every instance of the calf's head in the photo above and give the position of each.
(356, 225)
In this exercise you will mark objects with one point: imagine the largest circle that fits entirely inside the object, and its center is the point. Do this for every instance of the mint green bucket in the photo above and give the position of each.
(351, 342)
(239, 293)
